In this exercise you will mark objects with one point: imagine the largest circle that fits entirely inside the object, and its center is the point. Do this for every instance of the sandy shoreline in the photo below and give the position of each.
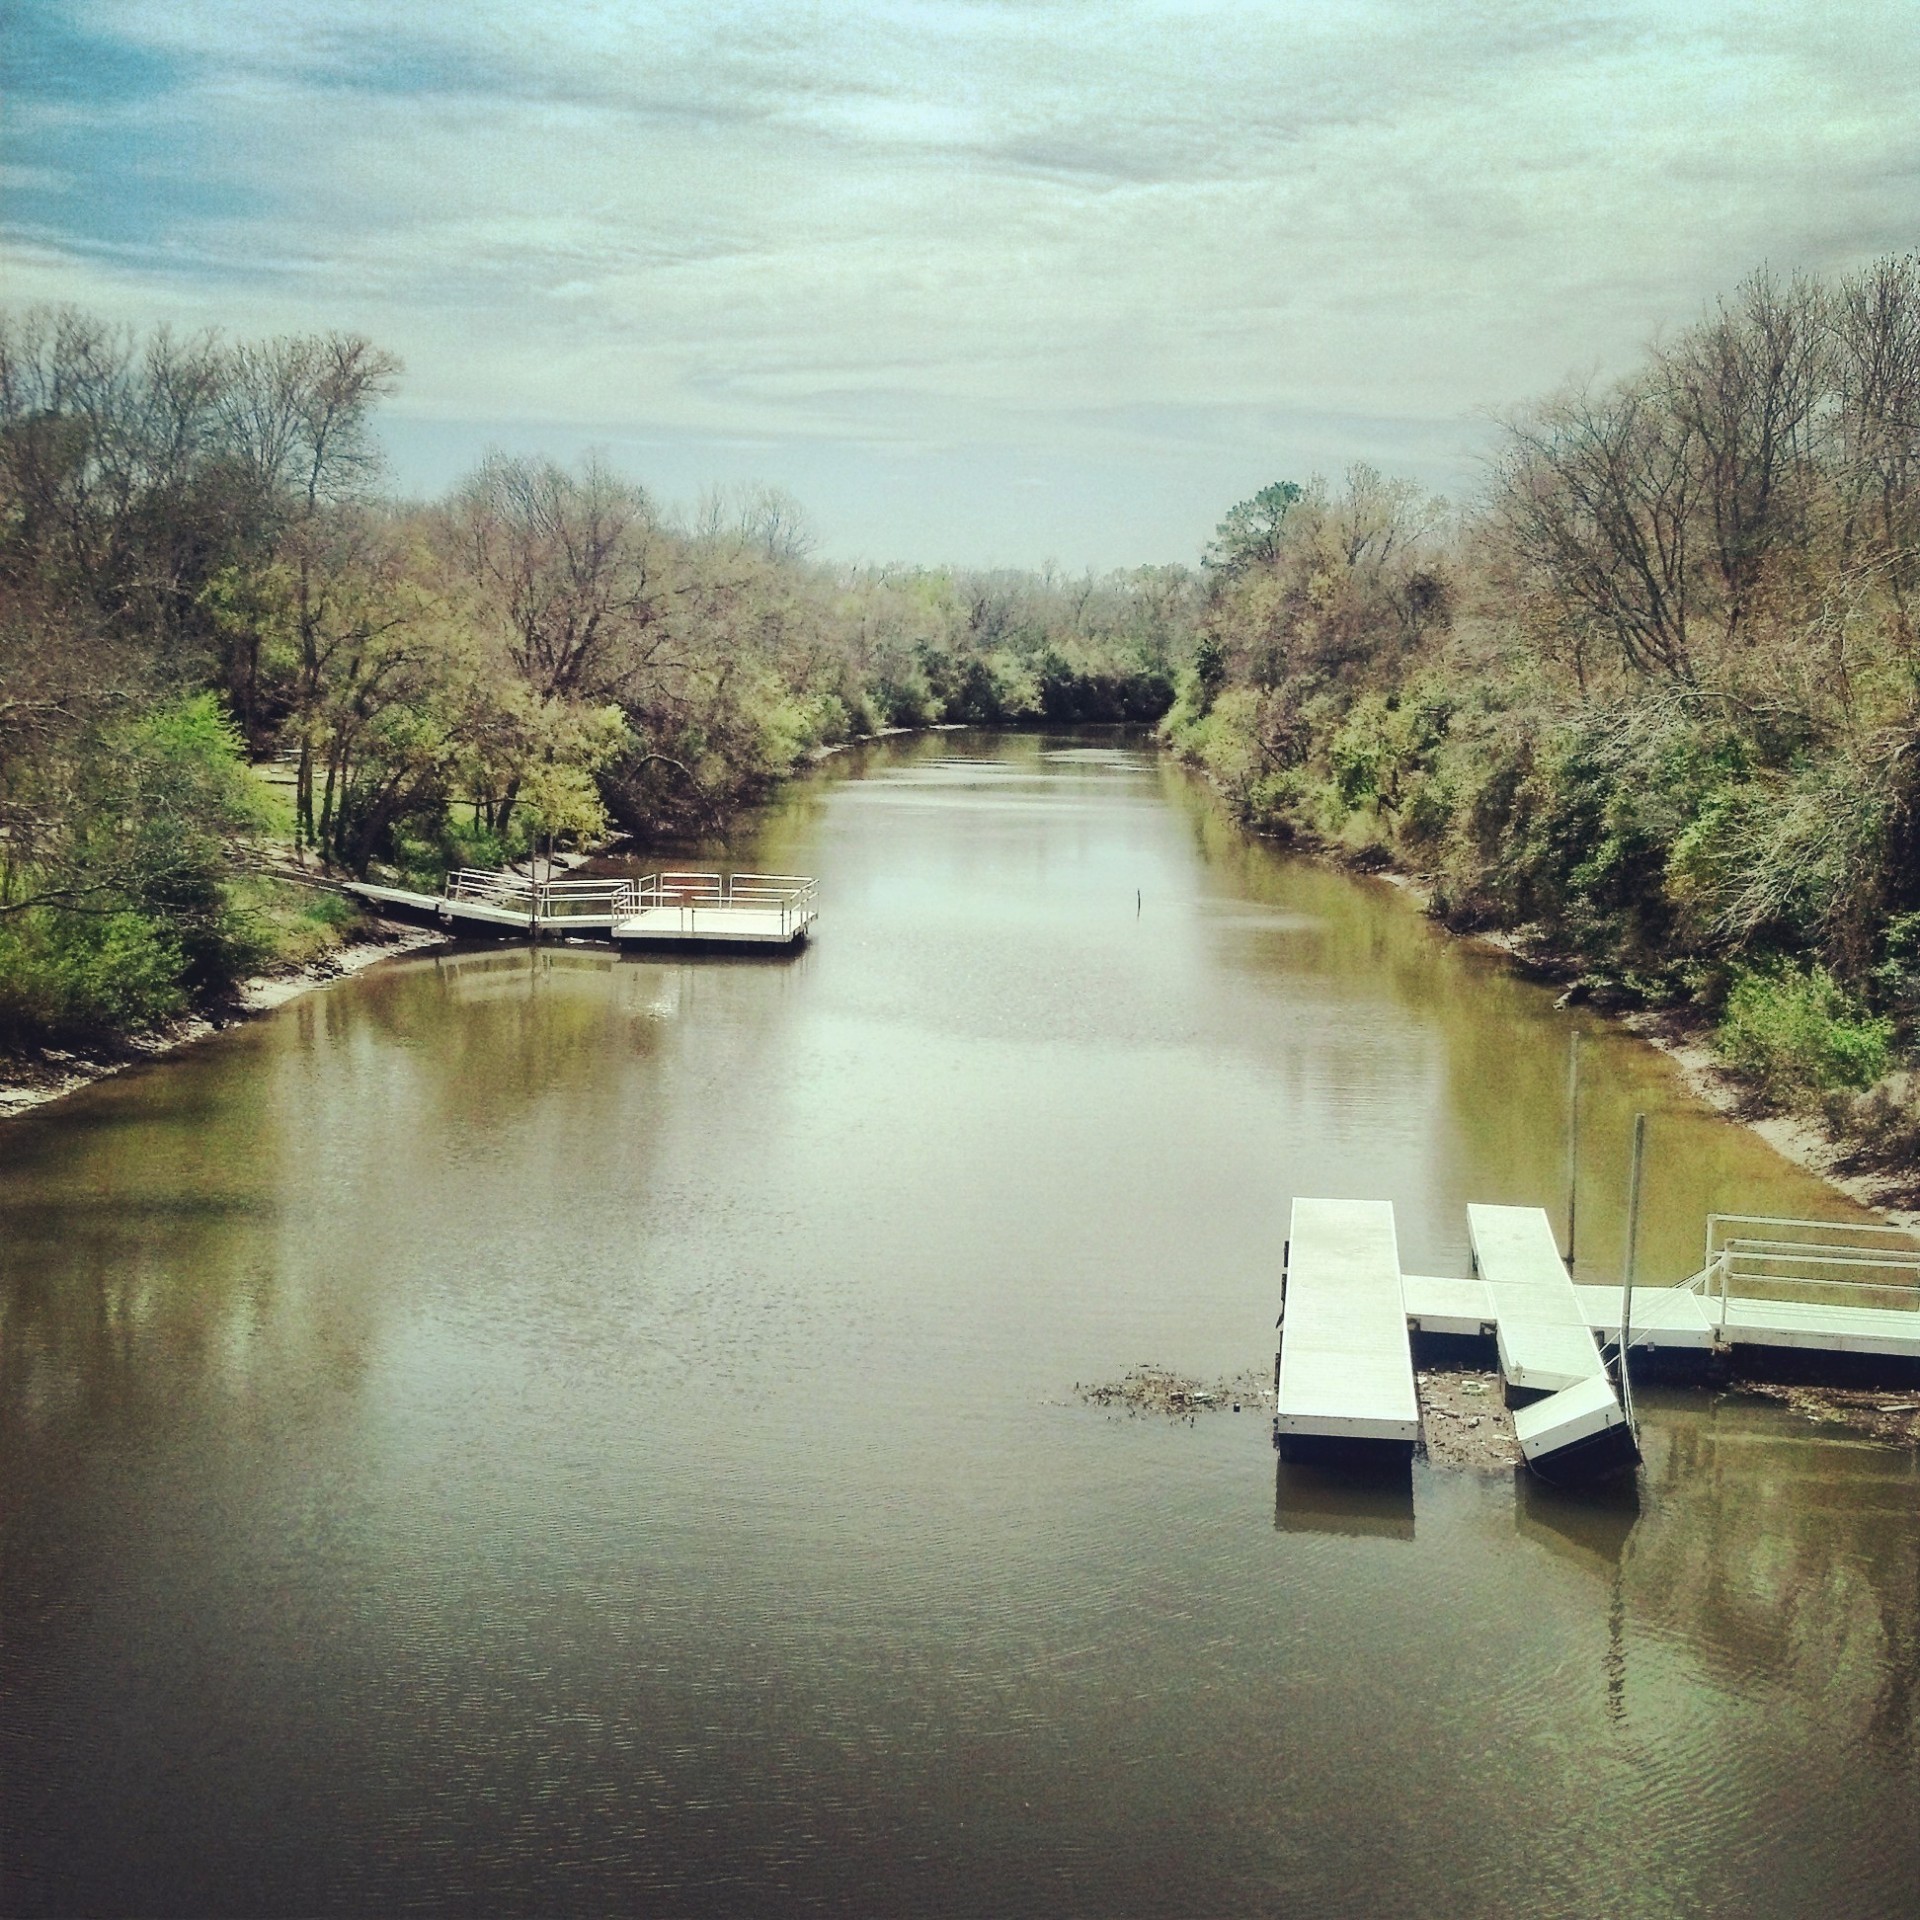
(32, 1083)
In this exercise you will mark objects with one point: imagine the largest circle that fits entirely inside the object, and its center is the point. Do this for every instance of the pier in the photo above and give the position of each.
(700, 910)
(1841, 1297)
(1569, 1415)
(1343, 1376)
(1830, 1301)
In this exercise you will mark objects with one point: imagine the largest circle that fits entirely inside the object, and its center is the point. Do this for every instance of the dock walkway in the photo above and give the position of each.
(1344, 1372)
(1679, 1320)
(738, 910)
(1568, 1414)
(1544, 1339)
(1340, 1363)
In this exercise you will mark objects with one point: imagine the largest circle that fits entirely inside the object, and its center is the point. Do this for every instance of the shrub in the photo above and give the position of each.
(1799, 1036)
(79, 977)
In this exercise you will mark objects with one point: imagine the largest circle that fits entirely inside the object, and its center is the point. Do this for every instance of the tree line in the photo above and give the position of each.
(1651, 704)
(199, 569)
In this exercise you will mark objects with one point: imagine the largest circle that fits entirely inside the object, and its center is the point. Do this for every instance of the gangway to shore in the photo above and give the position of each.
(705, 910)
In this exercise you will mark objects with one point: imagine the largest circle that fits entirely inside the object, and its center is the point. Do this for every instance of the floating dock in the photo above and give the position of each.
(1343, 1376)
(1568, 1417)
(1830, 1299)
(706, 909)
(1833, 1292)
(701, 910)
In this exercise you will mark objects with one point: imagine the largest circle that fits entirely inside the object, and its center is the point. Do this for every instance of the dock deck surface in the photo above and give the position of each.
(1346, 1368)
(1678, 1318)
(1547, 1349)
(694, 910)
(1545, 1340)
(1812, 1326)
(743, 926)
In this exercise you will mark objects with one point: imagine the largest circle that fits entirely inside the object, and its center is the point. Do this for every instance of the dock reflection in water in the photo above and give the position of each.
(1374, 1503)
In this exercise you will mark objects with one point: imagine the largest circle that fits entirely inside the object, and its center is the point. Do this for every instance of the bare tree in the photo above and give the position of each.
(1598, 499)
(1745, 393)
(1875, 324)
(568, 567)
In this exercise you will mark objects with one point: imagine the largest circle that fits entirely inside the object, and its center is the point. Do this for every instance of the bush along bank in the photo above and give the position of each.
(1648, 714)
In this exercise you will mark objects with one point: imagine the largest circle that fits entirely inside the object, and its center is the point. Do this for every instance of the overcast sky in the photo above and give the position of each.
(978, 280)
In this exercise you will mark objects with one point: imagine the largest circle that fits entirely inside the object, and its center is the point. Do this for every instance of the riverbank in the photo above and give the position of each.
(34, 1081)
(1802, 1138)
(814, 755)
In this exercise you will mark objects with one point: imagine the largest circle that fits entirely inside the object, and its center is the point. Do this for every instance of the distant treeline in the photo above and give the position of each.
(198, 569)
(1653, 704)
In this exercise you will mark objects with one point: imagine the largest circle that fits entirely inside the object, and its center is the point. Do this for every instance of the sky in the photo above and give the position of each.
(979, 281)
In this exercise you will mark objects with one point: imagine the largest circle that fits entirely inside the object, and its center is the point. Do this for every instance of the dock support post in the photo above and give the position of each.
(1633, 1247)
(1573, 1139)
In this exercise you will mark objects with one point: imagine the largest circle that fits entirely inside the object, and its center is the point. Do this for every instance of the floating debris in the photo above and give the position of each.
(1151, 1389)
(1863, 1409)
(1463, 1422)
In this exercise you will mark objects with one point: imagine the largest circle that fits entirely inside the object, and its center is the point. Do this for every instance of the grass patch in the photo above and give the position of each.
(289, 925)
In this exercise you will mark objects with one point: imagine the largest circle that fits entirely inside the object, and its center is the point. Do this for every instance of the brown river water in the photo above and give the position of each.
(530, 1431)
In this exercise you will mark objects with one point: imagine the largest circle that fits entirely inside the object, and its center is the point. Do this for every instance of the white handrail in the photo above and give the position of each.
(793, 897)
(1739, 1261)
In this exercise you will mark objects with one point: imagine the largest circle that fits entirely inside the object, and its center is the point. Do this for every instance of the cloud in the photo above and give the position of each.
(961, 230)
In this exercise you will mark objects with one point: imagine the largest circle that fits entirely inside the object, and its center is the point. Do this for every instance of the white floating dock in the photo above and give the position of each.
(1463, 1308)
(739, 910)
(1544, 1339)
(1344, 1376)
(1663, 1317)
(1813, 1327)
(726, 926)
(1576, 1433)
(1571, 1423)
(1544, 1328)
(1679, 1320)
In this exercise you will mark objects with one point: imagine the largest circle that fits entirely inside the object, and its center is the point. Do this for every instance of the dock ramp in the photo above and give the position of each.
(1344, 1374)
(1568, 1419)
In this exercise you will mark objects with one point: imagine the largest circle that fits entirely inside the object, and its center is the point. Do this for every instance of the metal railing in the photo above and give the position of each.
(1834, 1265)
(752, 890)
(793, 897)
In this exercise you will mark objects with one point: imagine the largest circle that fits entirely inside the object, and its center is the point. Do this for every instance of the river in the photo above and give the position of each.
(530, 1431)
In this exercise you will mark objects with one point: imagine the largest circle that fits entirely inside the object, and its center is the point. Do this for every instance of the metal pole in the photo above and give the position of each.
(1633, 1247)
(1573, 1139)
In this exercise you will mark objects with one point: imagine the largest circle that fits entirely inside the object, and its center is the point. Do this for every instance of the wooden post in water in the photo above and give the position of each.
(1633, 1247)
(1573, 1139)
